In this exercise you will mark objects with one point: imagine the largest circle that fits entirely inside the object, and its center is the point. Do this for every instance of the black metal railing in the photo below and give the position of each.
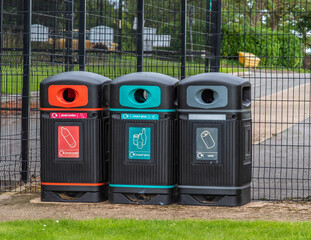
(266, 42)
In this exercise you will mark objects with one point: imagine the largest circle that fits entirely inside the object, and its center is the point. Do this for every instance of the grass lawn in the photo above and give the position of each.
(112, 67)
(12, 76)
(153, 229)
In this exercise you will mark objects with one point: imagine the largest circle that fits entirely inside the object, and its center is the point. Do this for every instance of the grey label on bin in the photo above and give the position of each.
(207, 116)
(207, 144)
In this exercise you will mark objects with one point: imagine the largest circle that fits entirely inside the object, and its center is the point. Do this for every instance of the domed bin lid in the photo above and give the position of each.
(75, 90)
(144, 90)
(214, 91)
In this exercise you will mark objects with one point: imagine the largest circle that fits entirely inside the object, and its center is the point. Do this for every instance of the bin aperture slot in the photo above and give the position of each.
(69, 95)
(141, 95)
(208, 96)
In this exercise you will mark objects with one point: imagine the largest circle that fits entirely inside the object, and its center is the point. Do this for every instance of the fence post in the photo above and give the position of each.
(82, 26)
(183, 38)
(208, 35)
(1, 45)
(140, 35)
(69, 28)
(216, 34)
(54, 31)
(25, 93)
(120, 27)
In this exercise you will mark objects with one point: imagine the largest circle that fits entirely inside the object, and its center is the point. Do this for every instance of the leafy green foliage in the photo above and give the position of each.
(275, 48)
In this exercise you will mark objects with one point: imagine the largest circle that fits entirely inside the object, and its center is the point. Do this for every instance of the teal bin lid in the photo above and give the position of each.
(140, 96)
(144, 91)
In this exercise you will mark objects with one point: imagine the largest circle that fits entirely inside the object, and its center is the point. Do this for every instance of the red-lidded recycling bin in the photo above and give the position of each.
(74, 137)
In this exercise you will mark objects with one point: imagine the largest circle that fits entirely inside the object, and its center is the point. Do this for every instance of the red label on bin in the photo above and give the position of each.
(68, 141)
(68, 115)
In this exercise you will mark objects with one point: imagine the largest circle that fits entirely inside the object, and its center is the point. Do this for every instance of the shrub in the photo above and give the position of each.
(275, 48)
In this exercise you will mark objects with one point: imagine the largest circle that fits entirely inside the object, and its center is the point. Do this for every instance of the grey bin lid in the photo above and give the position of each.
(217, 91)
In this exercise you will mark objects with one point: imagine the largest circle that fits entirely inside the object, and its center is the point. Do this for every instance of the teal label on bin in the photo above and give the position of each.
(139, 143)
(138, 116)
(207, 144)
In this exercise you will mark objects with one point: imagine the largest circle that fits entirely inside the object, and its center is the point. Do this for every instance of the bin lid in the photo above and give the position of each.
(143, 90)
(214, 91)
(75, 89)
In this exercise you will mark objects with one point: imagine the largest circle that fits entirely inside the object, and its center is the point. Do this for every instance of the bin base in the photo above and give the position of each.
(216, 197)
(91, 197)
(126, 198)
(142, 196)
(74, 194)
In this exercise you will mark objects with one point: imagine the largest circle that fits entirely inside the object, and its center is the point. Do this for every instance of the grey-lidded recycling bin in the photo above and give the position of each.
(215, 137)
(143, 144)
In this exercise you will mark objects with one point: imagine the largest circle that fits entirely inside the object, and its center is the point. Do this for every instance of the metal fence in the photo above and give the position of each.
(175, 37)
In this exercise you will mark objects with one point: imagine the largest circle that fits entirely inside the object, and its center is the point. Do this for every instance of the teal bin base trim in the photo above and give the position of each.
(143, 194)
(141, 186)
(141, 110)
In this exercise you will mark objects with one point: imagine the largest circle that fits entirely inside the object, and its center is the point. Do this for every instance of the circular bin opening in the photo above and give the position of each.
(141, 95)
(69, 95)
(208, 96)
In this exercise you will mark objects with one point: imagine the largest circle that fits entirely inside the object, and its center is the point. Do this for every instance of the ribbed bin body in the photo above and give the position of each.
(214, 140)
(90, 169)
(143, 139)
(161, 169)
(231, 151)
(74, 137)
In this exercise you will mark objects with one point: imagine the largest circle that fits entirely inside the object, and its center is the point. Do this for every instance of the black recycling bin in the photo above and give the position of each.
(74, 137)
(143, 144)
(215, 140)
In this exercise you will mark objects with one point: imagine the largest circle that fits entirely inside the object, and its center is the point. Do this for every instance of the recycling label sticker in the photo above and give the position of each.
(68, 142)
(207, 144)
(139, 143)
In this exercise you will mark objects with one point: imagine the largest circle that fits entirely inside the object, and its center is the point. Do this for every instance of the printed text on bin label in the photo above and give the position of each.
(55, 115)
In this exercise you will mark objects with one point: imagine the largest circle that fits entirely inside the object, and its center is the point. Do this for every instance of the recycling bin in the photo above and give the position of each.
(74, 137)
(143, 144)
(215, 151)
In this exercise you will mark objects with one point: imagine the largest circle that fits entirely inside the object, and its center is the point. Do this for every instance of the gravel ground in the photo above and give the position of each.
(28, 206)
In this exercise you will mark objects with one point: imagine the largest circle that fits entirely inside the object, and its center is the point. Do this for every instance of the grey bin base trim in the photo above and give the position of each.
(213, 187)
(213, 111)
(214, 196)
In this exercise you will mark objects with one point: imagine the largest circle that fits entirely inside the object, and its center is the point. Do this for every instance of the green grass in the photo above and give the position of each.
(112, 67)
(153, 229)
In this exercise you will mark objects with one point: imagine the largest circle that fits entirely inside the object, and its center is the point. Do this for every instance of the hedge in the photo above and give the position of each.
(275, 48)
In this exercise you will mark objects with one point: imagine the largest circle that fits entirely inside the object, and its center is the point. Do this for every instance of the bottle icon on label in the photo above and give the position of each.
(207, 139)
(68, 137)
(140, 139)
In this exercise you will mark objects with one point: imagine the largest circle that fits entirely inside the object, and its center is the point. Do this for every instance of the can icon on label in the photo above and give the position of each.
(207, 139)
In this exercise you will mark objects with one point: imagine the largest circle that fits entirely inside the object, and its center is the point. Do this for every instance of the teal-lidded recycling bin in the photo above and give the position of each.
(143, 143)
